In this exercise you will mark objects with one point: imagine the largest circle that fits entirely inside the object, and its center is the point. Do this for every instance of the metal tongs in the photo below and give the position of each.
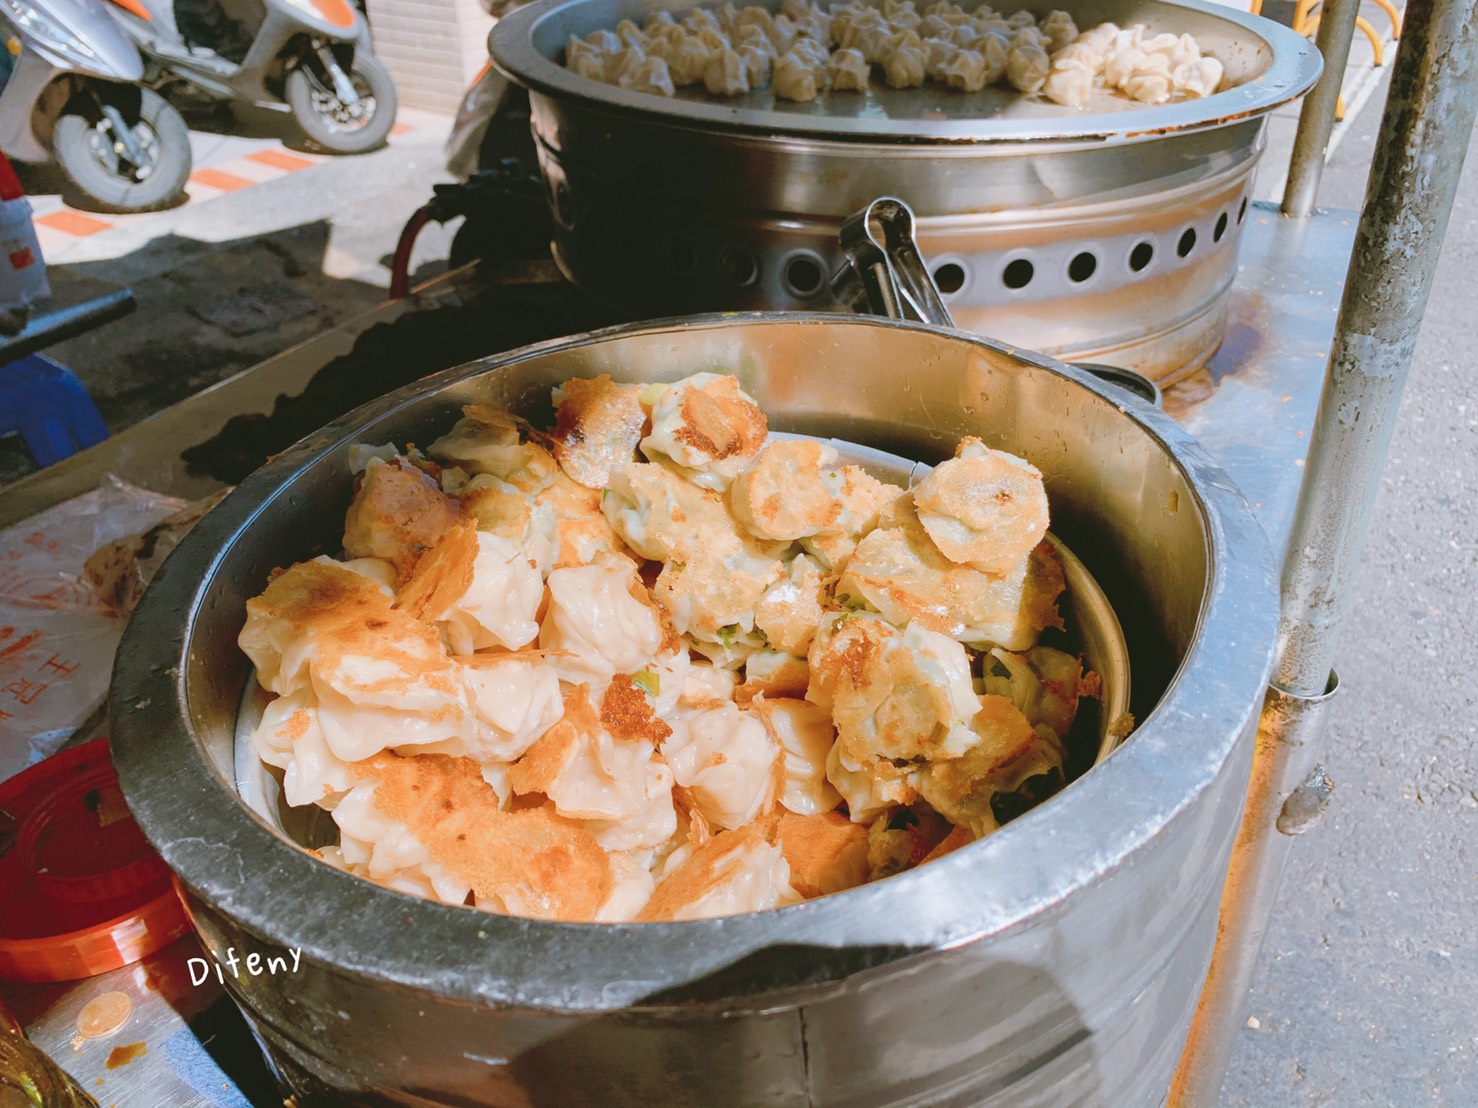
(884, 274)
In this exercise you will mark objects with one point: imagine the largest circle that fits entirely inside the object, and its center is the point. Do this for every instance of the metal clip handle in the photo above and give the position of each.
(884, 273)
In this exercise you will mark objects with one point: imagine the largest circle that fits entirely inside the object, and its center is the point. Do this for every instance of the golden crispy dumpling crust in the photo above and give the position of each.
(532, 856)
(597, 427)
(398, 514)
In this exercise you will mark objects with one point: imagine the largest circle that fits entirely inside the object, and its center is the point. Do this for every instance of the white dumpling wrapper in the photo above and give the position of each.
(726, 758)
(601, 628)
(289, 737)
(515, 698)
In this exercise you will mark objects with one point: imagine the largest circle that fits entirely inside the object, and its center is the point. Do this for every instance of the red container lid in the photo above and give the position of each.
(84, 891)
(10, 184)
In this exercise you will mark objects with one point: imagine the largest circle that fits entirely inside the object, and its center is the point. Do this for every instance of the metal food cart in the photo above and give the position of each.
(1297, 405)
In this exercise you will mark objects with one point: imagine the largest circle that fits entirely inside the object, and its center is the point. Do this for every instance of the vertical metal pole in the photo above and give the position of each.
(1316, 120)
(1413, 178)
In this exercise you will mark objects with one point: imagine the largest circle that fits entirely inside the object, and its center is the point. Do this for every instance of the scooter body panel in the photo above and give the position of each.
(49, 52)
(285, 23)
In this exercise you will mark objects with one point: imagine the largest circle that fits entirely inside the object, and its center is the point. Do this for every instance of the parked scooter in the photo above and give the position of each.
(314, 55)
(72, 96)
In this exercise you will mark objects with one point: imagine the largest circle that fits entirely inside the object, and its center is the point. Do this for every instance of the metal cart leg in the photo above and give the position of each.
(1413, 178)
(1316, 120)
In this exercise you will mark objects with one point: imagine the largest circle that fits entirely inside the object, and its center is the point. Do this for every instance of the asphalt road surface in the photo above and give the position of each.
(1367, 992)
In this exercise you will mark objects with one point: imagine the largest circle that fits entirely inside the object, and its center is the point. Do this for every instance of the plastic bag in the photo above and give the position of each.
(57, 636)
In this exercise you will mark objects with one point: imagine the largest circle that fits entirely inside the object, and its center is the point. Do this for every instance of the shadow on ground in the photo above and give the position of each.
(206, 311)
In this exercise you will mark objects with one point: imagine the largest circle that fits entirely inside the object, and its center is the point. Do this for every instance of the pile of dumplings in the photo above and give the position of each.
(659, 664)
(806, 50)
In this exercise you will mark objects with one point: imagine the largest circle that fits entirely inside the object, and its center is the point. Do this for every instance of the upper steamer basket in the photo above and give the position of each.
(1107, 234)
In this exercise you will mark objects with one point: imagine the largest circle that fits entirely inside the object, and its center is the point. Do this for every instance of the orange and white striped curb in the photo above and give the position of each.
(58, 226)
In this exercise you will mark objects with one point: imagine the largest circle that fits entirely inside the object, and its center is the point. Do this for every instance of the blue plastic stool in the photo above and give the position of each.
(49, 408)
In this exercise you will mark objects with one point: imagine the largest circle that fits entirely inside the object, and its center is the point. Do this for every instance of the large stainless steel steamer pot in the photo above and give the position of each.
(1056, 962)
(1105, 235)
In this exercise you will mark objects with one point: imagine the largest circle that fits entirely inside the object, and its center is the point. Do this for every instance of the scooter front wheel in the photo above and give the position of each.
(330, 123)
(142, 170)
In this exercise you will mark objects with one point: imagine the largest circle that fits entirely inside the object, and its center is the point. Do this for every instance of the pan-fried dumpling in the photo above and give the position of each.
(1099, 38)
(805, 735)
(726, 759)
(790, 609)
(1011, 767)
(631, 888)
(585, 59)
(1070, 83)
(1021, 19)
(290, 738)
(796, 78)
(792, 490)
(487, 440)
(706, 423)
(1080, 54)
(515, 698)
(663, 517)
(601, 621)
(1043, 683)
(587, 772)
(774, 673)
(1059, 30)
(813, 52)
(1163, 43)
(725, 74)
(706, 683)
(863, 498)
(1027, 68)
(713, 595)
(899, 571)
(905, 67)
(1120, 63)
(1150, 83)
(436, 815)
(651, 76)
(1201, 77)
(983, 507)
(481, 589)
(870, 791)
(896, 696)
(871, 41)
(1186, 49)
(597, 425)
(782, 33)
(848, 71)
(735, 872)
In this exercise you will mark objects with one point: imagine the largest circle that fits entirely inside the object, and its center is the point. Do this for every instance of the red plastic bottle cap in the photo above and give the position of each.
(84, 892)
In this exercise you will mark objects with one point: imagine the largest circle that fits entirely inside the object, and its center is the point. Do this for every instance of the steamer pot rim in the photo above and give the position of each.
(232, 863)
(1295, 67)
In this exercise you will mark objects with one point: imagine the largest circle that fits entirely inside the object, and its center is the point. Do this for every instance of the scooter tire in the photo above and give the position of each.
(104, 191)
(321, 132)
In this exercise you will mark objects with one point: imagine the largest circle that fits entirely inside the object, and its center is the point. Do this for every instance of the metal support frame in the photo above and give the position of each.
(1316, 120)
(1413, 179)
